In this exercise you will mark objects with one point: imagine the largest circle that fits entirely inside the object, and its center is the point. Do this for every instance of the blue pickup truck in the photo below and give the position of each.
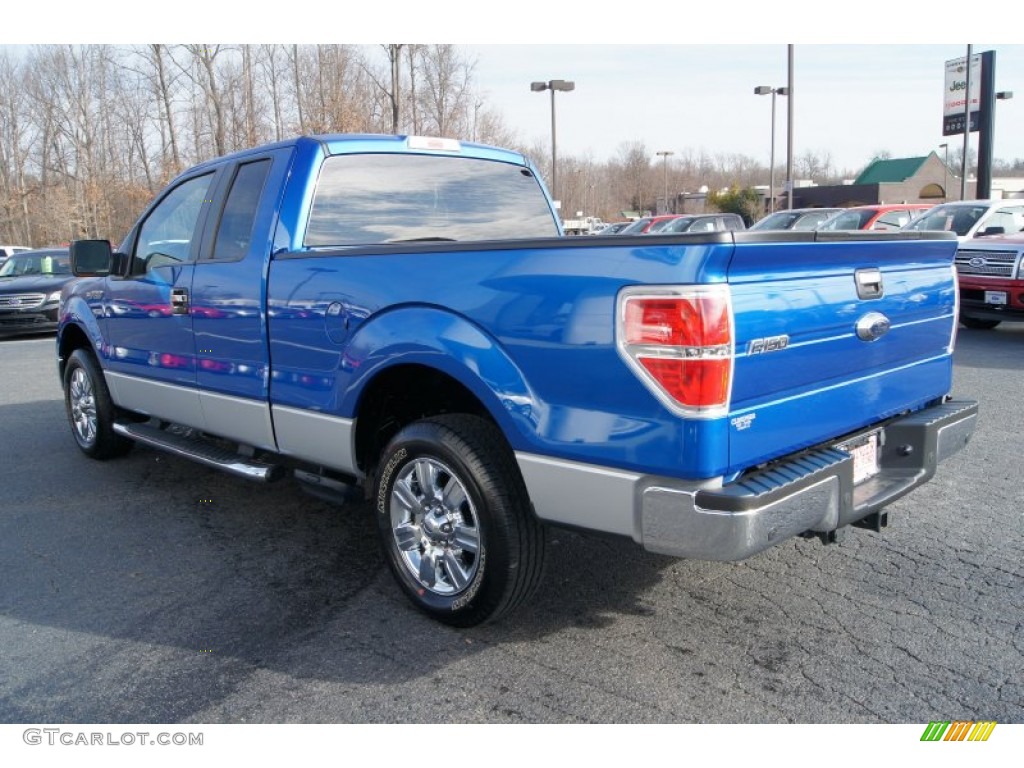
(400, 320)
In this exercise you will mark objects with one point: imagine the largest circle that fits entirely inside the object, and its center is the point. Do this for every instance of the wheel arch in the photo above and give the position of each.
(450, 365)
(72, 337)
(407, 392)
(78, 329)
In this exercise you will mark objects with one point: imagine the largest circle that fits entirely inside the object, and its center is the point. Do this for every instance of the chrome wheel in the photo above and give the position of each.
(435, 526)
(82, 399)
(89, 408)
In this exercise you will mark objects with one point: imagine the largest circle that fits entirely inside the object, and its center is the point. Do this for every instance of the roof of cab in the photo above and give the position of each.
(351, 143)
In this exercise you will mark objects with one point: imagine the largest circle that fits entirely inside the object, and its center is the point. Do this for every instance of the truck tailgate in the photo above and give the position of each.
(834, 335)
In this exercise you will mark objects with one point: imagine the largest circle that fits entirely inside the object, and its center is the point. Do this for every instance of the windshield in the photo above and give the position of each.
(660, 226)
(848, 220)
(635, 227)
(949, 218)
(36, 264)
(680, 225)
(779, 220)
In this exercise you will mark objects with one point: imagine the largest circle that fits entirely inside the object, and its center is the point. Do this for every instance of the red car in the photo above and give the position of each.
(648, 224)
(884, 217)
(990, 271)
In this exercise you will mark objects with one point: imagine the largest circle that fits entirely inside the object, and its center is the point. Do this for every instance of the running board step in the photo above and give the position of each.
(199, 450)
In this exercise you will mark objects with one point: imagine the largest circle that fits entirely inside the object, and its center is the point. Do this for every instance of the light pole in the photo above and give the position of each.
(553, 85)
(763, 90)
(999, 96)
(945, 173)
(789, 129)
(967, 125)
(664, 155)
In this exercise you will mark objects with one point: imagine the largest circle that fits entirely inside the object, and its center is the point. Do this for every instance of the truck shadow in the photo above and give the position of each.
(173, 583)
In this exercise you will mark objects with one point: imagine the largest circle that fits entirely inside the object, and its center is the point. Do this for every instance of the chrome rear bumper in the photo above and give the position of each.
(812, 492)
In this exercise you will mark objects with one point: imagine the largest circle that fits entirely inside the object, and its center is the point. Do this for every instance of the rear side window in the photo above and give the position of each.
(369, 199)
(235, 230)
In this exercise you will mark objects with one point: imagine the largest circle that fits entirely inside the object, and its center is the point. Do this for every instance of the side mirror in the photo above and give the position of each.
(992, 231)
(91, 258)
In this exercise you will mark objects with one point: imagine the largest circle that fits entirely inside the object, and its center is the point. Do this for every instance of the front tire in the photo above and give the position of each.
(90, 409)
(455, 521)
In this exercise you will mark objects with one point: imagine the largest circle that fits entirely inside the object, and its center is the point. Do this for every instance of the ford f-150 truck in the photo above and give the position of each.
(403, 316)
(991, 274)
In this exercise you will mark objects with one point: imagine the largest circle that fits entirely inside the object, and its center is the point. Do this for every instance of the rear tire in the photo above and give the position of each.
(455, 522)
(90, 410)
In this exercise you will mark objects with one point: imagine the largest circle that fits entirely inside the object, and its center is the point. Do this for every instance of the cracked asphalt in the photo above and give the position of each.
(152, 590)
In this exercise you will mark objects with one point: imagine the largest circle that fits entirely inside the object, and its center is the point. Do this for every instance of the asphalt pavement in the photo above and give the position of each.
(149, 589)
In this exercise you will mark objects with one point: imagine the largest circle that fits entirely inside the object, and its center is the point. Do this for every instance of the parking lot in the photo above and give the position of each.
(150, 589)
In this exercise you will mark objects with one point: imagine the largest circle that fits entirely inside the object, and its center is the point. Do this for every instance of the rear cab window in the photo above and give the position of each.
(369, 199)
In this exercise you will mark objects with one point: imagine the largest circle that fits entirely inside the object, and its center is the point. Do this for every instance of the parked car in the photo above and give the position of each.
(704, 222)
(30, 285)
(885, 217)
(614, 228)
(646, 224)
(6, 251)
(990, 271)
(973, 218)
(797, 219)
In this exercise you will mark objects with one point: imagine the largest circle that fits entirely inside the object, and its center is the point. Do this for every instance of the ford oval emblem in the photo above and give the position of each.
(977, 261)
(873, 326)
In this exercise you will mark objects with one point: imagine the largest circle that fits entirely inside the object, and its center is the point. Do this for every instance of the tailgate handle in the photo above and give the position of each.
(869, 283)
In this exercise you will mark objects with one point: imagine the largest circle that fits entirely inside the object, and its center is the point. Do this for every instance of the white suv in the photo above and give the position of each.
(973, 218)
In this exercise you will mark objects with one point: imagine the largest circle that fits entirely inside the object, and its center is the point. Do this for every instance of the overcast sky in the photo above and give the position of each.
(850, 101)
(675, 75)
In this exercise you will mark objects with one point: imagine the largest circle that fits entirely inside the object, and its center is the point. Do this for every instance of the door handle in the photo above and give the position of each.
(179, 301)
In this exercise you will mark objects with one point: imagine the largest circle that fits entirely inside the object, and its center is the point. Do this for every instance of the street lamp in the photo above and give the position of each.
(664, 155)
(553, 85)
(764, 90)
(945, 173)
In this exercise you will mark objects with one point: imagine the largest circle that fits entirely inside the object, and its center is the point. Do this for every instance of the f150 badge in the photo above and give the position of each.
(767, 344)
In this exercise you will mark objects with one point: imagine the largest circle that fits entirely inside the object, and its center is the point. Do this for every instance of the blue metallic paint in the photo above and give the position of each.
(82, 307)
(550, 310)
(530, 331)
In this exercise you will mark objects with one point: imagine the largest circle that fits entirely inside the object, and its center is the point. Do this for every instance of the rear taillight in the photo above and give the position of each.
(679, 341)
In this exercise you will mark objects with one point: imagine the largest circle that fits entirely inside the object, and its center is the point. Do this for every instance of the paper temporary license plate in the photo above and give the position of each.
(995, 297)
(864, 451)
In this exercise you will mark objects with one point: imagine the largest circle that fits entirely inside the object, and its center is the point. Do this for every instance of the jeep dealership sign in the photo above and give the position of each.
(955, 94)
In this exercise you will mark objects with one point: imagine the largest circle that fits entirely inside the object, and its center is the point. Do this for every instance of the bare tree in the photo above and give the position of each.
(445, 102)
(201, 68)
(15, 138)
(633, 163)
(272, 74)
(150, 64)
